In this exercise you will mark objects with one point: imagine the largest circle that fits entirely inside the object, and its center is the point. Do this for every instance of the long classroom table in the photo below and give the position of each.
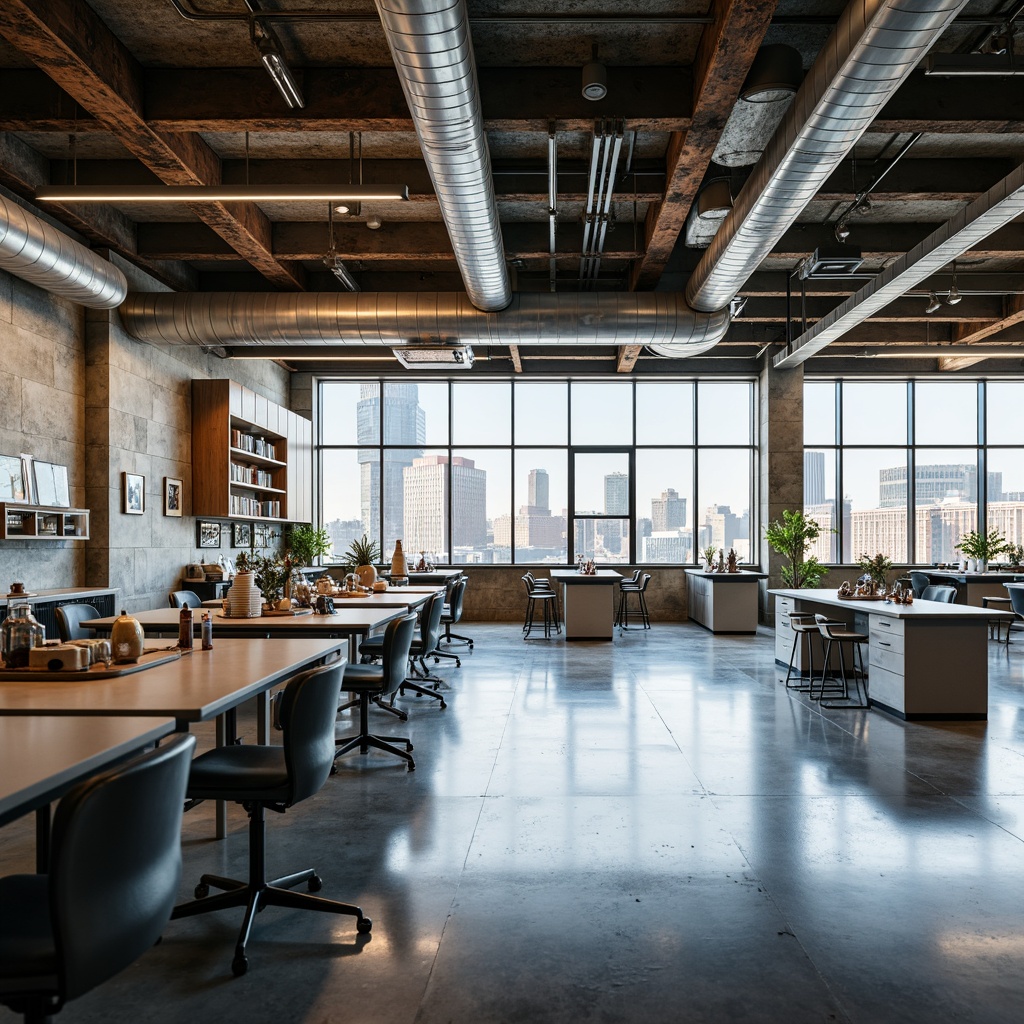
(925, 660)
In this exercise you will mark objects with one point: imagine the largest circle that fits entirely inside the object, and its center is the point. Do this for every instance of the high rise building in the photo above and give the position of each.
(668, 512)
(425, 487)
(616, 494)
(404, 424)
(537, 490)
(814, 478)
(935, 483)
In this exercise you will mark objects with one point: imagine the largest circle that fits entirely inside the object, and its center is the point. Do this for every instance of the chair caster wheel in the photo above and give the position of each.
(202, 890)
(334, 768)
(239, 965)
(443, 705)
(408, 746)
(315, 884)
(363, 925)
(458, 664)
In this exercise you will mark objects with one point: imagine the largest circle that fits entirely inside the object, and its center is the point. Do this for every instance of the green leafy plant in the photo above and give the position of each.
(792, 537)
(362, 552)
(307, 544)
(975, 544)
(269, 573)
(708, 554)
(1014, 555)
(876, 567)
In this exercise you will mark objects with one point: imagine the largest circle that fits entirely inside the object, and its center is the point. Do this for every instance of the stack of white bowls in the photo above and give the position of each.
(240, 595)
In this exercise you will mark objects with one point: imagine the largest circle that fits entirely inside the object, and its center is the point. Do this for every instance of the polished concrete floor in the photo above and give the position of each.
(651, 830)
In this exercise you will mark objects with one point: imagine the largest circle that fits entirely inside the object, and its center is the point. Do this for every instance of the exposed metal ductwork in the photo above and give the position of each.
(433, 54)
(397, 318)
(872, 49)
(41, 254)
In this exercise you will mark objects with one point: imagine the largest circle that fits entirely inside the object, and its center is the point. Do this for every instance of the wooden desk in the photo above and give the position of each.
(42, 757)
(925, 660)
(588, 603)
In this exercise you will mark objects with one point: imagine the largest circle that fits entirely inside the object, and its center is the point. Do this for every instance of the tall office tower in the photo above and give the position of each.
(668, 512)
(616, 494)
(425, 487)
(405, 423)
(537, 494)
(933, 484)
(814, 478)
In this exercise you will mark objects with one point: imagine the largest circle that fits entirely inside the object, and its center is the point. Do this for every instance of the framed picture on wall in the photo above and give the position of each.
(173, 496)
(133, 493)
(241, 535)
(262, 535)
(12, 482)
(51, 484)
(207, 534)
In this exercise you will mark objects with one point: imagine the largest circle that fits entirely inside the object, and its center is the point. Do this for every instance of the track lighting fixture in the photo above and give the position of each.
(332, 261)
(374, 222)
(269, 49)
(954, 296)
(933, 303)
(842, 231)
(595, 79)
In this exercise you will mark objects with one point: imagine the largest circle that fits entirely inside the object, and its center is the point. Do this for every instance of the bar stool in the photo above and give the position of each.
(544, 583)
(625, 589)
(839, 633)
(546, 599)
(803, 623)
(995, 626)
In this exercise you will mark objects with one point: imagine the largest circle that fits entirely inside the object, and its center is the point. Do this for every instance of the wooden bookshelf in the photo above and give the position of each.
(251, 459)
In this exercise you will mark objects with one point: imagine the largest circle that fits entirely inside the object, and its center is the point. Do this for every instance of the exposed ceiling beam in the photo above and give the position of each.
(1013, 314)
(952, 106)
(67, 40)
(517, 362)
(727, 49)
(628, 355)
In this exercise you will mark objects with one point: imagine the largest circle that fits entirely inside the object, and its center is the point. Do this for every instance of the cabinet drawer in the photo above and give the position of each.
(881, 657)
(881, 624)
(887, 641)
(783, 605)
(887, 688)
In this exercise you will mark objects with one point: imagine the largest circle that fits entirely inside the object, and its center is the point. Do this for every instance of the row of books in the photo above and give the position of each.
(253, 443)
(251, 475)
(241, 506)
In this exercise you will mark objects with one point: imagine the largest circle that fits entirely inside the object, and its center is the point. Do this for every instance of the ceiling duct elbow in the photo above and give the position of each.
(40, 254)
(714, 201)
(433, 54)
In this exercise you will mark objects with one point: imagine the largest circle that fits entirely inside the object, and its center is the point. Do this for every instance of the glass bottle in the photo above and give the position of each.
(19, 634)
(399, 566)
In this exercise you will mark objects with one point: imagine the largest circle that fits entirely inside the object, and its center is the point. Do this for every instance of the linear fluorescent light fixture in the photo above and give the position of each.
(435, 357)
(341, 272)
(972, 65)
(218, 193)
(282, 76)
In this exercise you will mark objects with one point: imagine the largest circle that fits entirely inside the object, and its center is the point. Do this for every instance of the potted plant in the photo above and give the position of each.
(792, 537)
(307, 544)
(980, 547)
(360, 558)
(876, 569)
(270, 573)
(1014, 555)
(708, 554)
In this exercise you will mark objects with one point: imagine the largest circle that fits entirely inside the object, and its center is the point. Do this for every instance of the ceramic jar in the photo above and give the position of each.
(399, 565)
(126, 637)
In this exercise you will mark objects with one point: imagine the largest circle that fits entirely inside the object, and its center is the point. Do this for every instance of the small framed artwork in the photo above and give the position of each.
(133, 487)
(51, 484)
(207, 534)
(261, 535)
(12, 481)
(241, 535)
(172, 497)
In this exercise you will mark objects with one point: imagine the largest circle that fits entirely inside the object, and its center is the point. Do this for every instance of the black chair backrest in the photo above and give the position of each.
(918, 581)
(935, 593)
(455, 606)
(643, 583)
(430, 622)
(1016, 599)
(633, 580)
(184, 599)
(307, 713)
(398, 636)
(116, 865)
(69, 621)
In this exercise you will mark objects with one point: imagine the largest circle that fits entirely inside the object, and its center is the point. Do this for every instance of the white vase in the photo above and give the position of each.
(982, 565)
(972, 565)
(255, 603)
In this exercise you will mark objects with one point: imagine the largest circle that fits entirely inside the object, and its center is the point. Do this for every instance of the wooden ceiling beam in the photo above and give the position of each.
(727, 49)
(957, 106)
(627, 357)
(69, 42)
(1013, 314)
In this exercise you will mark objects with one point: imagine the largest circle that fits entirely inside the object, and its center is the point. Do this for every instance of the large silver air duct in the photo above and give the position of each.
(873, 48)
(433, 53)
(398, 318)
(40, 254)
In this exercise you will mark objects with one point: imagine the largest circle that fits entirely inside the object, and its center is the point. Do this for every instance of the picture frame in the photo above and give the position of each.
(51, 480)
(241, 535)
(261, 535)
(207, 534)
(173, 496)
(133, 493)
(12, 479)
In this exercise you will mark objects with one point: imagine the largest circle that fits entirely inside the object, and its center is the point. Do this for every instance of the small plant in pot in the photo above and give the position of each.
(978, 548)
(792, 536)
(708, 554)
(876, 568)
(1014, 555)
(307, 544)
(360, 559)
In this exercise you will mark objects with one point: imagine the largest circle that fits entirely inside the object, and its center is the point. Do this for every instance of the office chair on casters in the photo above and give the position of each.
(451, 614)
(69, 621)
(262, 777)
(184, 599)
(375, 682)
(424, 645)
(114, 875)
(946, 595)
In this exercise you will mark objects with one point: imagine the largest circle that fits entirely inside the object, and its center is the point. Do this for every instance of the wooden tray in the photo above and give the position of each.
(149, 659)
(291, 613)
(861, 597)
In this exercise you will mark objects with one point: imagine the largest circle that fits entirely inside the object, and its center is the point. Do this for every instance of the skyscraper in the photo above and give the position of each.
(668, 512)
(537, 494)
(425, 487)
(404, 424)
(616, 494)
(814, 478)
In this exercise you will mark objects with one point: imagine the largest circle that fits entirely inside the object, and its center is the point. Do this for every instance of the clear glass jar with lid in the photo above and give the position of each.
(19, 633)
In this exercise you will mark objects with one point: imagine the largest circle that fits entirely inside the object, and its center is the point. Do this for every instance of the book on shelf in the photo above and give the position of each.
(253, 443)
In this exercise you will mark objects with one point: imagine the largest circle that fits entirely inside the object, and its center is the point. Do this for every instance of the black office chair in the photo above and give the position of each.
(451, 614)
(424, 645)
(262, 777)
(69, 621)
(918, 581)
(375, 682)
(947, 595)
(114, 875)
(184, 599)
(639, 589)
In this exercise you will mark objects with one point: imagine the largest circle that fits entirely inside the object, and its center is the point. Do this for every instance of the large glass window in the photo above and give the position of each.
(540, 471)
(918, 466)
